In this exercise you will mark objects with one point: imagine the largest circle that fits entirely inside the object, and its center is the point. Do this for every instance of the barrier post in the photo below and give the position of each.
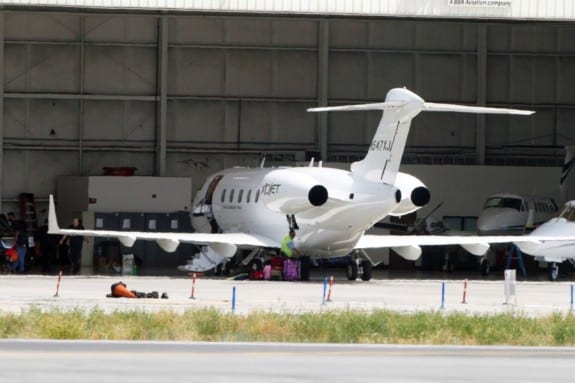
(442, 295)
(58, 284)
(234, 300)
(193, 293)
(464, 301)
(510, 278)
(330, 286)
(571, 306)
(324, 290)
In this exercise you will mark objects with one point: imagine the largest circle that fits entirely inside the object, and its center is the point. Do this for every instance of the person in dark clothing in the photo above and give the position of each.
(75, 243)
(20, 242)
(48, 246)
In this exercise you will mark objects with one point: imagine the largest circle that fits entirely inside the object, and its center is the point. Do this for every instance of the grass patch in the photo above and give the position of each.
(327, 327)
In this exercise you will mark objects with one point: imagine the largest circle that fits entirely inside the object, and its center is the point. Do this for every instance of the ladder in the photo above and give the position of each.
(28, 213)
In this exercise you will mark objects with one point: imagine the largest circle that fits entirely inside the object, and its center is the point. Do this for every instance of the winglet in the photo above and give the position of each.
(53, 227)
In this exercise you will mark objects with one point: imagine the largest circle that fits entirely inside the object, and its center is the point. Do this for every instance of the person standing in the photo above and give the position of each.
(288, 248)
(20, 242)
(75, 243)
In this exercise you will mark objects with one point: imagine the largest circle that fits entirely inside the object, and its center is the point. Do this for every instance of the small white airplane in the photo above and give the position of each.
(508, 213)
(330, 208)
(550, 251)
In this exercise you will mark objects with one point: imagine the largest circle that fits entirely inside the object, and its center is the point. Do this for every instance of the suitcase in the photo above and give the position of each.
(291, 270)
(267, 272)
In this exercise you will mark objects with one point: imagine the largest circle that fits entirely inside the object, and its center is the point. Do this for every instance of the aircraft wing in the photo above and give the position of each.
(408, 245)
(167, 241)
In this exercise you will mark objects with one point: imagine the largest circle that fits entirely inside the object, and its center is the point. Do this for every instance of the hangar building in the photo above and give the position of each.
(183, 88)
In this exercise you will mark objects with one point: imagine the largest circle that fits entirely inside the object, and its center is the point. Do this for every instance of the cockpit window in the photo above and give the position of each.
(568, 213)
(503, 202)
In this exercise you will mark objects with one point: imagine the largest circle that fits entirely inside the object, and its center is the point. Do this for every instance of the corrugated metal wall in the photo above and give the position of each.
(189, 94)
(518, 9)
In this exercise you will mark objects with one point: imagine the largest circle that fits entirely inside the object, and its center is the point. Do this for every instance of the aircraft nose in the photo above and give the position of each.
(490, 221)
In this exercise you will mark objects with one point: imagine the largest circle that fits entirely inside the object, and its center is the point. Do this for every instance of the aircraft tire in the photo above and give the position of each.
(553, 271)
(485, 267)
(351, 270)
(366, 270)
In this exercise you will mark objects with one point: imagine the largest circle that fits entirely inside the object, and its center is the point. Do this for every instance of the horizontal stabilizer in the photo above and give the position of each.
(436, 107)
(373, 106)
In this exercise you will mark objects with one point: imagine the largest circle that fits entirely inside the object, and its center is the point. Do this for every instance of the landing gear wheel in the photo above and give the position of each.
(553, 271)
(366, 270)
(485, 267)
(351, 270)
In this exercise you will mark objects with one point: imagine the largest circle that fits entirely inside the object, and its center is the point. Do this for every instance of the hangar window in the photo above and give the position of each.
(249, 196)
(257, 195)
(223, 195)
(232, 195)
(240, 195)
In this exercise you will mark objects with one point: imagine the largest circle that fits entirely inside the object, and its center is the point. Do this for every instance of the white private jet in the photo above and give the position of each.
(330, 208)
(509, 213)
(550, 251)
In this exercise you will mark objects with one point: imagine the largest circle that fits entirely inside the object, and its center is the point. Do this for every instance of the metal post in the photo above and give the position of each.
(193, 294)
(161, 128)
(322, 86)
(571, 306)
(1, 101)
(330, 286)
(234, 300)
(58, 284)
(480, 132)
(442, 295)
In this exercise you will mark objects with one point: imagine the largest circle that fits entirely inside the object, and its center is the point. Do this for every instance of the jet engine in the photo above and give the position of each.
(289, 192)
(414, 194)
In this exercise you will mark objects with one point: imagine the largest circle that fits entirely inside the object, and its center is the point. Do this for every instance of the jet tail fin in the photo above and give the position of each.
(566, 184)
(400, 107)
(53, 227)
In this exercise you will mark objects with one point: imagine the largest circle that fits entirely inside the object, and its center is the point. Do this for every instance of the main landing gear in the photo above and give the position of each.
(553, 271)
(356, 267)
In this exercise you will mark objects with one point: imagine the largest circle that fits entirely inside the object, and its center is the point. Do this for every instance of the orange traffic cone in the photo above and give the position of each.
(119, 290)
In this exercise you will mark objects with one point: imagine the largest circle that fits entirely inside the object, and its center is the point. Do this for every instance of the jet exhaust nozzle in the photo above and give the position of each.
(317, 195)
(420, 196)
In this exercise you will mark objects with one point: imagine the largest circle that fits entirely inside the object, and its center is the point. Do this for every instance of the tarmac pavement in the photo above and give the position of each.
(533, 298)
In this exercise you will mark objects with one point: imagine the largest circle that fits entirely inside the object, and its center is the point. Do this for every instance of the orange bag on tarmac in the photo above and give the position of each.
(119, 290)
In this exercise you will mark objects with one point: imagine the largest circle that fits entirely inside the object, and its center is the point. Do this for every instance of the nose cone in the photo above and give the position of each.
(555, 227)
(500, 221)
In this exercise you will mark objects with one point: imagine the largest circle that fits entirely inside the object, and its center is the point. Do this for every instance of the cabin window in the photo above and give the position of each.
(223, 195)
(249, 196)
(568, 214)
(503, 202)
(232, 195)
(257, 196)
(240, 195)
